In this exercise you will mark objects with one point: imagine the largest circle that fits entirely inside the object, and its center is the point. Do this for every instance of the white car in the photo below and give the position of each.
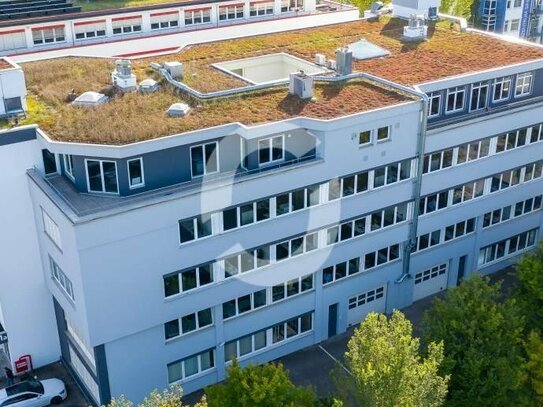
(33, 393)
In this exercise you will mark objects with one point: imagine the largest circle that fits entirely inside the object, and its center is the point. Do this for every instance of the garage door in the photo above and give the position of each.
(430, 281)
(364, 303)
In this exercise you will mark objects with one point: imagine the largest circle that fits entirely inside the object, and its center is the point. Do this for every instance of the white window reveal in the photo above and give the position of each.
(48, 35)
(61, 279)
(204, 159)
(69, 165)
(479, 96)
(502, 87)
(126, 25)
(51, 229)
(271, 150)
(455, 99)
(135, 173)
(102, 176)
(90, 29)
(523, 85)
(161, 21)
(231, 12)
(198, 16)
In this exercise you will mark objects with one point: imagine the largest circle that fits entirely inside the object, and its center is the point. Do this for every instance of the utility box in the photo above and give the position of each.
(344, 61)
(12, 88)
(175, 69)
(122, 77)
(301, 85)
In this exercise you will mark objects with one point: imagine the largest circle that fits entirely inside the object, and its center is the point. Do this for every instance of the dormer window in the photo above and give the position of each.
(204, 159)
(479, 96)
(434, 104)
(523, 85)
(271, 150)
(502, 87)
(455, 99)
(102, 176)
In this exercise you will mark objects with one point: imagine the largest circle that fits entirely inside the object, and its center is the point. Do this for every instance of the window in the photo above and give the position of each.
(383, 133)
(69, 165)
(135, 173)
(246, 214)
(434, 104)
(381, 256)
(511, 211)
(246, 261)
(188, 280)
(102, 176)
(297, 200)
(126, 25)
(51, 228)
(479, 96)
(292, 327)
(455, 99)
(48, 35)
(271, 150)
(523, 84)
(49, 162)
(198, 16)
(195, 228)
(430, 273)
(364, 137)
(191, 366)
(61, 279)
(437, 161)
(90, 29)
(260, 8)
(501, 89)
(468, 191)
(518, 3)
(443, 235)
(340, 270)
(536, 133)
(509, 141)
(366, 298)
(244, 304)
(296, 246)
(161, 21)
(12, 39)
(473, 151)
(204, 159)
(230, 12)
(515, 24)
(292, 288)
(188, 323)
(459, 229)
(507, 248)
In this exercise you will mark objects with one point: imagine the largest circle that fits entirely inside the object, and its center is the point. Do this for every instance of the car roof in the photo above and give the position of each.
(33, 386)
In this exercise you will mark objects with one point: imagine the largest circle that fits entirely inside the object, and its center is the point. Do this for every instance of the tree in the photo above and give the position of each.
(529, 290)
(386, 369)
(169, 397)
(534, 366)
(263, 386)
(483, 344)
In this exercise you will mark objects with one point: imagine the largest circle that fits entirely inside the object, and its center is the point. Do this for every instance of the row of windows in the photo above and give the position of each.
(455, 98)
(505, 248)
(48, 35)
(367, 137)
(482, 148)
(257, 211)
(366, 298)
(511, 211)
(478, 188)
(91, 30)
(444, 235)
(430, 273)
(188, 323)
(61, 279)
(191, 366)
(276, 334)
(126, 26)
(357, 264)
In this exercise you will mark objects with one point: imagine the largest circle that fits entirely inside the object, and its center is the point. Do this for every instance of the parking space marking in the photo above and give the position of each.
(335, 360)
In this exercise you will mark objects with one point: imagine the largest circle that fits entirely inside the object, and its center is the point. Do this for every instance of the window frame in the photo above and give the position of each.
(501, 82)
(68, 162)
(431, 99)
(205, 165)
(142, 183)
(478, 88)
(103, 191)
(455, 91)
(270, 148)
(522, 77)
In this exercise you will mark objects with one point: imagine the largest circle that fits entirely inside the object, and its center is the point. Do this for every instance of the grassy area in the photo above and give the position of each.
(91, 5)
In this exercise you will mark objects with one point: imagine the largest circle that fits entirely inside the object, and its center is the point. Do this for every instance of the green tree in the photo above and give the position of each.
(534, 366)
(263, 386)
(483, 344)
(169, 397)
(529, 290)
(386, 369)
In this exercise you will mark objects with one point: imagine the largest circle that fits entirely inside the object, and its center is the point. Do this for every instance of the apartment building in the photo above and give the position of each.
(279, 209)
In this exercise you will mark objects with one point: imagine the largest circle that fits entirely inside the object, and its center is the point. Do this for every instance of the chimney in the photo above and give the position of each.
(301, 85)
(344, 61)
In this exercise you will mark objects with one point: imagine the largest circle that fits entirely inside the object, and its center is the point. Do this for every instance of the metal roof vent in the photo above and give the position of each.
(301, 85)
(416, 30)
(90, 99)
(148, 86)
(344, 61)
(175, 69)
(178, 110)
(122, 77)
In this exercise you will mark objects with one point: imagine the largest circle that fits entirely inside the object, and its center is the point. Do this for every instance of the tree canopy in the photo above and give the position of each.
(529, 289)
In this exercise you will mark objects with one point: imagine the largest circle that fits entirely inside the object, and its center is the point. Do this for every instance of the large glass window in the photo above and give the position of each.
(271, 150)
(102, 176)
(204, 159)
(479, 96)
(455, 99)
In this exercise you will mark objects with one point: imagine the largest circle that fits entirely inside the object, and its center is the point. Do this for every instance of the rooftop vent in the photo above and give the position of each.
(320, 59)
(416, 30)
(90, 99)
(301, 85)
(122, 77)
(175, 69)
(148, 86)
(178, 110)
(344, 61)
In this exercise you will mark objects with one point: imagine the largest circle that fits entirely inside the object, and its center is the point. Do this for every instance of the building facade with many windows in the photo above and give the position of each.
(281, 222)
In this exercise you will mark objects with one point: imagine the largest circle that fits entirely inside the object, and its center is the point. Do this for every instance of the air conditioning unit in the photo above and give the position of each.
(301, 85)
(331, 64)
(175, 69)
(320, 59)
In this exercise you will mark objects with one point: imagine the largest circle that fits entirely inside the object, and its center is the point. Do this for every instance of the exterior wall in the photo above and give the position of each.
(27, 308)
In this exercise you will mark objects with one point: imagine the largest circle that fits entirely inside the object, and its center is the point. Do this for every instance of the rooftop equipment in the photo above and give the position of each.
(363, 49)
(405, 8)
(178, 110)
(148, 86)
(90, 99)
(416, 30)
(122, 77)
(344, 58)
(175, 69)
(12, 88)
(320, 59)
(331, 64)
(301, 85)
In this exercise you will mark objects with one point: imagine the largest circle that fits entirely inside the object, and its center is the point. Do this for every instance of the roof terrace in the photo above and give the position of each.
(135, 117)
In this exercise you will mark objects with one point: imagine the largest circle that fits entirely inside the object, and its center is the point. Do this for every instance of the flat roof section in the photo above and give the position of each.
(135, 117)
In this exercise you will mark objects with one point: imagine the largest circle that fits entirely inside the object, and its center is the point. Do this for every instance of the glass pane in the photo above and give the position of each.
(264, 151)
(260, 340)
(298, 199)
(293, 287)
(171, 285)
(230, 350)
(188, 323)
(174, 372)
(211, 158)
(229, 309)
(171, 329)
(230, 218)
(278, 292)
(262, 210)
(247, 261)
(203, 223)
(262, 256)
(197, 160)
(245, 345)
(278, 333)
(348, 185)
(244, 304)
(95, 176)
(246, 214)
(135, 172)
(204, 318)
(379, 177)
(188, 279)
(191, 366)
(259, 298)
(313, 195)
(307, 282)
(186, 230)
(277, 148)
(297, 246)
(306, 323)
(281, 251)
(282, 204)
(292, 328)
(362, 182)
(231, 266)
